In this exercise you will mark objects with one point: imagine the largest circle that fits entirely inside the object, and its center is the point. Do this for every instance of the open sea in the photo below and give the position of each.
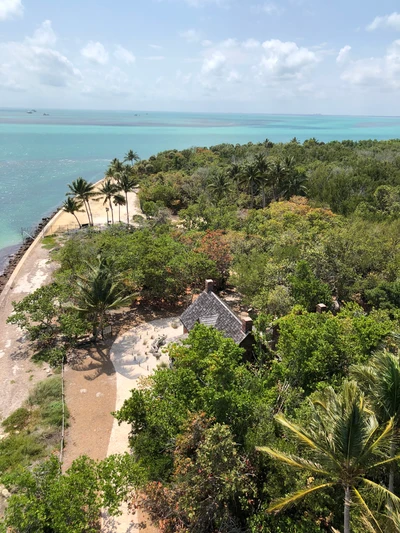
(40, 154)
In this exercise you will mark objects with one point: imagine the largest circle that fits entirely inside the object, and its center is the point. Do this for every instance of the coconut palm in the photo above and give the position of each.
(345, 442)
(99, 291)
(126, 183)
(131, 156)
(380, 381)
(118, 200)
(250, 176)
(108, 189)
(115, 168)
(278, 174)
(72, 206)
(84, 191)
(220, 185)
(264, 169)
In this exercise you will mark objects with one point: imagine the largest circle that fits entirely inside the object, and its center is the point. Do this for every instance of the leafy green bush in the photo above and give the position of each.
(46, 391)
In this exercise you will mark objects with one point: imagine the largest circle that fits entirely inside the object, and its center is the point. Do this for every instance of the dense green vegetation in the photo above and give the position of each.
(225, 443)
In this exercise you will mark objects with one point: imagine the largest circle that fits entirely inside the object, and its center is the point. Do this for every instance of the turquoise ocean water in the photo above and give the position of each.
(40, 154)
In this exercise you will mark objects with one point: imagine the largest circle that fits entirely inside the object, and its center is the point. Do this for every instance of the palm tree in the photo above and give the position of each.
(345, 440)
(118, 200)
(250, 176)
(264, 168)
(108, 189)
(294, 185)
(84, 191)
(220, 185)
(126, 182)
(115, 168)
(99, 291)
(380, 381)
(278, 173)
(131, 156)
(72, 206)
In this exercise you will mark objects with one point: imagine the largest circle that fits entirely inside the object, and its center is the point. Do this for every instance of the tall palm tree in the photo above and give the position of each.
(115, 168)
(99, 291)
(108, 189)
(278, 174)
(380, 381)
(131, 156)
(250, 176)
(345, 441)
(126, 182)
(118, 200)
(220, 185)
(84, 191)
(72, 206)
(264, 168)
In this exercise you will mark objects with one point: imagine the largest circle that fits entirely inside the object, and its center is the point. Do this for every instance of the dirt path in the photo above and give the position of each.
(17, 373)
(133, 359)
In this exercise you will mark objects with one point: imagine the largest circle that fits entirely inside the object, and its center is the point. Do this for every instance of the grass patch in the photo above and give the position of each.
(34, 429)
(17, 420)
(49, 242)
(46, 391)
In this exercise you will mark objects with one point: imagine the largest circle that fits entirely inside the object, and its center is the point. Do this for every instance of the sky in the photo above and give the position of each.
(243, 56)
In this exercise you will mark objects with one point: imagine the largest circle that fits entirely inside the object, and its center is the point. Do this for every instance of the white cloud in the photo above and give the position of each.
(343, 54)
(376, 71)
(43, 36)
(206, 43)
(191, 36)
(203, 3)
(214, 64)
(10, 9)
(155, 46)
(34, 61)
(387, 21)
(285, 59)
(234, 77)
(124, 55)
(95, 52)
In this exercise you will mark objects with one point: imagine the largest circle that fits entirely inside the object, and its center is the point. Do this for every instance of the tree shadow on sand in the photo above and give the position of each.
(94, 360)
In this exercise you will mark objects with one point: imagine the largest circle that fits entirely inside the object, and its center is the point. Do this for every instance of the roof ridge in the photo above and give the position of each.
(227, 307)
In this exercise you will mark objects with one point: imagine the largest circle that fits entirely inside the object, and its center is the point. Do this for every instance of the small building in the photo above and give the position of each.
(210, 310)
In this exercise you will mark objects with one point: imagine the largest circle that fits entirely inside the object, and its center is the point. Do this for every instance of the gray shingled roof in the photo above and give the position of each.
(210, 310)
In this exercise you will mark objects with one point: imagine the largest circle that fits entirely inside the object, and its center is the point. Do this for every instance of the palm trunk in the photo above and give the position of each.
(252, 194)
(112, 212)
(79, 224)
(119, 214)
(87, 211)
(263, 196)
(347, 502)
(127, 208)
(91, 216)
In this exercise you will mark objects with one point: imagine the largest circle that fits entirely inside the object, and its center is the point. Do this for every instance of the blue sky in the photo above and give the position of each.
(288, 56)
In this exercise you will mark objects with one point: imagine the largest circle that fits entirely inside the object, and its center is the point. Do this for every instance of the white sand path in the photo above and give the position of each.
(132, 359)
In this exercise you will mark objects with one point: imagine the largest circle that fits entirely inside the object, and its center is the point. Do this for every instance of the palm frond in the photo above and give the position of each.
(291, 460)
(291, 499)
(368, 512)
(384, 492)
(297, 431)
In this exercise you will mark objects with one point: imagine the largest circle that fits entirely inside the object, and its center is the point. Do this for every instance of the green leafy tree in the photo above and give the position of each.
(211, 485)
(307, 289)
(44, 500)
(345, 442)
(118, 200)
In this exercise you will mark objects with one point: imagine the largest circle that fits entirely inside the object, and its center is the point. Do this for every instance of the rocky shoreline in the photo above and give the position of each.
(14, 258)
